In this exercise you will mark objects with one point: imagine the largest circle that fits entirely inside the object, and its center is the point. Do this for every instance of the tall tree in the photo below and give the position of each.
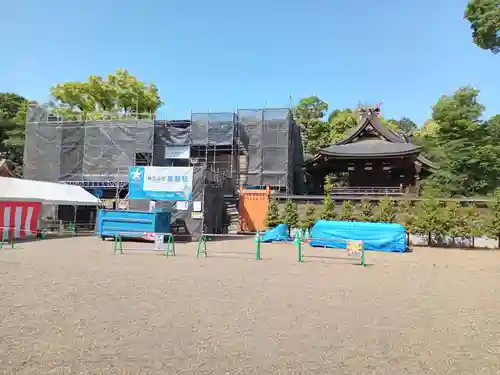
(13, 110)
(119, 92)
(484, 18)
(290, 215)
(328, 202)
(340, 123)
(309, 218)
(309, 113)
(272, 218)
(460, 136)
(406, 125)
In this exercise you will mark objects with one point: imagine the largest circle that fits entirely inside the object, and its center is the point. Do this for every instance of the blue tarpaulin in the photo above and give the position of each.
(375, 236)
(276, 234)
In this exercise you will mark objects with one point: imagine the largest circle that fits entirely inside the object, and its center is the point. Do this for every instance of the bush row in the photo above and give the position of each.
(429, 217)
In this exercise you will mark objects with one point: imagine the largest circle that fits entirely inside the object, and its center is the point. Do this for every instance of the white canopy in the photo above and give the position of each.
(15, 189)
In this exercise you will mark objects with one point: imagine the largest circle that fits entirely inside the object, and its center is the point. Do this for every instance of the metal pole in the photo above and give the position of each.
(257, 251)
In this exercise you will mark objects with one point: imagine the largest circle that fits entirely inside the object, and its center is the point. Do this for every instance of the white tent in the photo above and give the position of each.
(15, 189)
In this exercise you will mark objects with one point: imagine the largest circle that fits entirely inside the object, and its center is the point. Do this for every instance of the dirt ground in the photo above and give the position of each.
(68, 306)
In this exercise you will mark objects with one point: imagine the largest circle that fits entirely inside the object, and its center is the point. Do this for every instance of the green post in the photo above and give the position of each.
(115, 244)
(12, 237)
(118, 244)
(170, 245)
(363, 264)
(299, 251)
(202, 239)
(257, 250)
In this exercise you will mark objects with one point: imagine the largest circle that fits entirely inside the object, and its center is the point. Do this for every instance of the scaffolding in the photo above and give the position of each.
(214, 141)
(268, 139)
(93, 151)
(252, 147)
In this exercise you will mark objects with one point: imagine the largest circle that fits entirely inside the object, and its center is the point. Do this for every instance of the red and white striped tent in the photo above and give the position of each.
(21, 202)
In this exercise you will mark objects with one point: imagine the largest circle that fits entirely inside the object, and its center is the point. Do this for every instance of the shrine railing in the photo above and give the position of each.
(369, 190)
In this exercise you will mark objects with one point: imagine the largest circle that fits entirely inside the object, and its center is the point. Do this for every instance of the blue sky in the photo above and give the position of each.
(222, 55)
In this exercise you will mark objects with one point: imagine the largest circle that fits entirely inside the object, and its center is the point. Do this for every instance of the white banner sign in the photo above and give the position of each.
(177, 152)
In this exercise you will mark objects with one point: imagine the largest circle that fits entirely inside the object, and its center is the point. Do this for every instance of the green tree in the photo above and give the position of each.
(366, 211)
(465, 167)
(406, 125)
(120, 92)
(429, 218)
(385, 211)
(484, 18)
(309, 114)
(290, 214)
(454, 224)
(473, 222)
(309, 218)
(494, 216)
(272, 218)
(340, 123)
(406, 218)
(328, 202)
(13, 110)
(347, 211)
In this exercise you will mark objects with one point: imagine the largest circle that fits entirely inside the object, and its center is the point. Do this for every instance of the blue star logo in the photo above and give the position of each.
(136, 175)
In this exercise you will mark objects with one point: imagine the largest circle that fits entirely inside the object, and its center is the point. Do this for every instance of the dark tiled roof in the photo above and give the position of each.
(372, 147)
(375, 123)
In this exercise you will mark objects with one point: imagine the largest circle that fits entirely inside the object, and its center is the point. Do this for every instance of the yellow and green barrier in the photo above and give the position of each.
(353, 248)
(203, 239)
(160, 245)
(8, 239)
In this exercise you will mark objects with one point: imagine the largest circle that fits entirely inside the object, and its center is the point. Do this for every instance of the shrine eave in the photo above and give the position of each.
(369, 149)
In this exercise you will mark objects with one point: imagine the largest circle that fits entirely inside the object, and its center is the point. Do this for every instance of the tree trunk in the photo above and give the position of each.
(429, 239)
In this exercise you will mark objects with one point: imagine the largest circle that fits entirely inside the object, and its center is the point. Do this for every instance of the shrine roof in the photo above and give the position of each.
(370, 148)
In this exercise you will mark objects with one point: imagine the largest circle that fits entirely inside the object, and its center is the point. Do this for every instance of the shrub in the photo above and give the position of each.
(347, 211)
(405, 217)
(365, 211)
(494, 217)
(328, 202)
(474, 225)
(273, 214)
(290, 214)
(429, 218)
(385, 211)
(309, 218)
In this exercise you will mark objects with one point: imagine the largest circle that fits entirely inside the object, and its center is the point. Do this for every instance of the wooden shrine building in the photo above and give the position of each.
(371, 160)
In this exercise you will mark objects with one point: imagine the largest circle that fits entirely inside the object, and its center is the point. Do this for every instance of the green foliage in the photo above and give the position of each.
(454, 224)
(474, 224)
(309, 113)
(120, 92)
(406, 125)
(328, 202)
(494, 216)
(13, 110)
(484, 18)
(272, 218)
(309, 218)
(385, 211)
(366, 211)
(405, 215)
(429, 217)
(347, 211)
(341, 122)
(467, 157)
(290, 215)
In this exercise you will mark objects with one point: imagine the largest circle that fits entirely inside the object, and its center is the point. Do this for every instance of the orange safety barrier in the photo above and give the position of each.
(253, 208)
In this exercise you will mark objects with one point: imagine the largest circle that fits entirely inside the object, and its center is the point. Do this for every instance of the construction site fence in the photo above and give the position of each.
(165, 242)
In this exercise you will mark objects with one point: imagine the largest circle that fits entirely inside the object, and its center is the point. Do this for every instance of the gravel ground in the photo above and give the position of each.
(68, 306)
